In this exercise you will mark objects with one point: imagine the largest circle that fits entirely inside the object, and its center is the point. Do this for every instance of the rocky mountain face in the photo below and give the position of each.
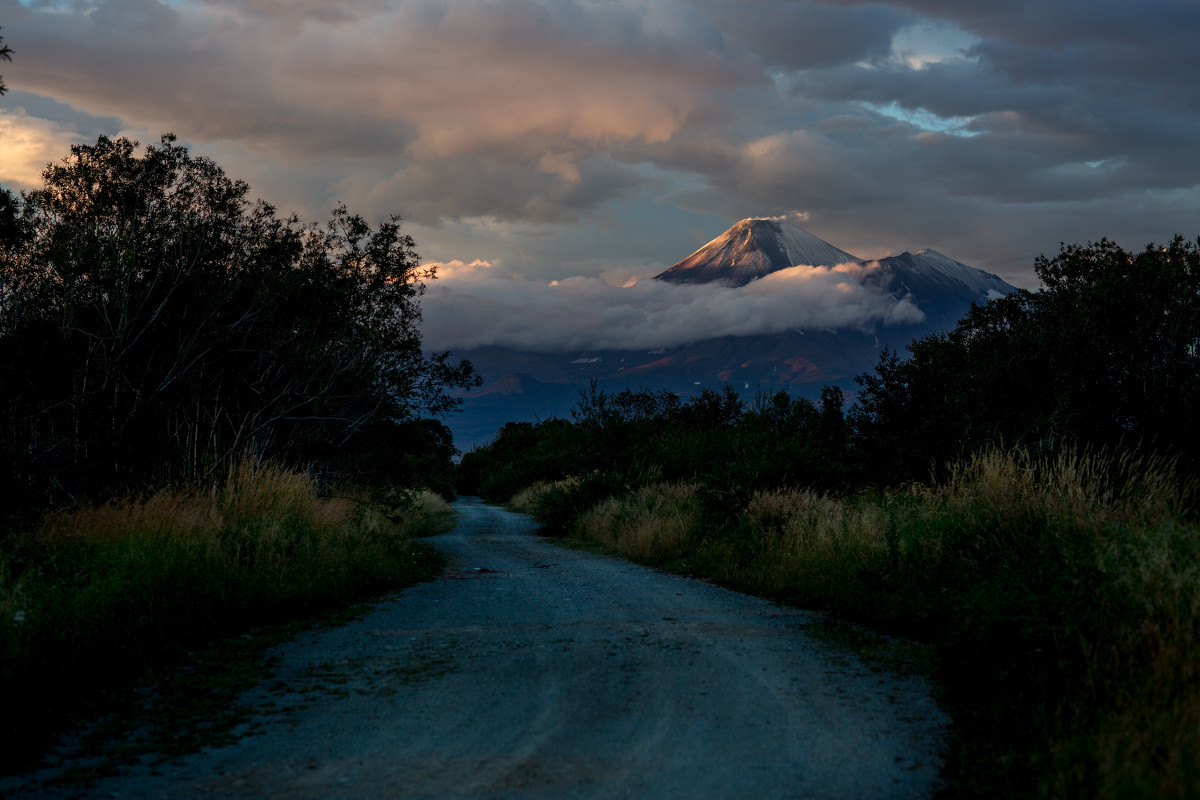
(528, 386)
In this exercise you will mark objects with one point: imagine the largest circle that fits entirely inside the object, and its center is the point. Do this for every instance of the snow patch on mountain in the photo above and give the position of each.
(760, 277)
(931, 261)
(756, 248)
(752, 249)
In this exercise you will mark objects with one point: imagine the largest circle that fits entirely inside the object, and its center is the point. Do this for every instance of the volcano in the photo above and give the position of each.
(533, 385)
(751, 249)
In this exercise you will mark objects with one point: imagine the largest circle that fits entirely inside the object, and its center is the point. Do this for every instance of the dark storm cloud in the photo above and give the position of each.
(302, 10)
(803, 35)
(1114, 53)
(1033, 132)
(989, 131)
(1064, 111)
(545, 191)
(487, 109)
(159, 70)
(1050, 24)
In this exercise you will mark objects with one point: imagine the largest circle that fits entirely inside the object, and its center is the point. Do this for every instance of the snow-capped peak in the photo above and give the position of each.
(935, 266)
(753, 248)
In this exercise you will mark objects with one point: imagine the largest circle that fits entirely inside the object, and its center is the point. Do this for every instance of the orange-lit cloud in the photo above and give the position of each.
(988, 131)
(27, 146)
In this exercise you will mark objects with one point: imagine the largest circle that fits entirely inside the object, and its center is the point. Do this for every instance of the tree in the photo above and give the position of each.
(5, 55)
(156, 324)
(1107, 354)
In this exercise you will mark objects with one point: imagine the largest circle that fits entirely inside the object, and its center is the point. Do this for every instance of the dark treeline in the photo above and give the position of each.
(1105, 357)
(156, 325)
(616, 439)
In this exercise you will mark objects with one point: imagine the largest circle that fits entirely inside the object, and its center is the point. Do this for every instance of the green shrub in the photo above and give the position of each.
(557, 505)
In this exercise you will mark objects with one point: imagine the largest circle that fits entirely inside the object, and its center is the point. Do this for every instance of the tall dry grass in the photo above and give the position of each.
(530, 499)
(661, 521)
(1078, 578)
(1064, 595)
(797, 542)
(93, 593)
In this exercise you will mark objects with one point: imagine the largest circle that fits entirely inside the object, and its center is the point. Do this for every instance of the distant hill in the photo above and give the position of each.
(527, 386)
(520, 384)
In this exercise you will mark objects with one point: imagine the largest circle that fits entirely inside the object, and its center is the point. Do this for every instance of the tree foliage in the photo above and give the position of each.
(1107, 354)
(154, 324)
(5, 55)
(622, 440)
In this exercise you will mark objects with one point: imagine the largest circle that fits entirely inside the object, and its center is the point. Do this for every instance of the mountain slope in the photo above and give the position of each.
(799, 361)
(940, 286)
(753, 248)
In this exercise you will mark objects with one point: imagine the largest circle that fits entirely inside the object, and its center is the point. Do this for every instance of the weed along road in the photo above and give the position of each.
(530, 670)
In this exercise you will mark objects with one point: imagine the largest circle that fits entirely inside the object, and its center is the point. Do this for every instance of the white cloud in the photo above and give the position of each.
(931, 42)
(473, 305)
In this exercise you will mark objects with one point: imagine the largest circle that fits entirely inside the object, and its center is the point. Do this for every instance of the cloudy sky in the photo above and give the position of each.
(603, 140)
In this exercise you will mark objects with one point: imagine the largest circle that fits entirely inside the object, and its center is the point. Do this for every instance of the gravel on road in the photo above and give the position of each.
(532, 670)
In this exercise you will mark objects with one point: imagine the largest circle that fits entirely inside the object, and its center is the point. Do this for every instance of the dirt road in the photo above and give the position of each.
(534, 671)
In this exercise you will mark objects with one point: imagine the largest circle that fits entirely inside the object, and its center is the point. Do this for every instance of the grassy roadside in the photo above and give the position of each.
(1063, 598)
(99, 597)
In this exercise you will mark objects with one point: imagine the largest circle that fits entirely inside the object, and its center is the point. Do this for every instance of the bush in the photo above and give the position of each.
(557, 505)
(650, 437)
(661, 522)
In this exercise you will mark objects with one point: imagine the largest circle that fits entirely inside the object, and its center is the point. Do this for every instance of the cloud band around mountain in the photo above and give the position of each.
(478, 304)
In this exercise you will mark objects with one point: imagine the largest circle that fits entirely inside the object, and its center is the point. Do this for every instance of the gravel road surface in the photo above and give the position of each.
(530, 670)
